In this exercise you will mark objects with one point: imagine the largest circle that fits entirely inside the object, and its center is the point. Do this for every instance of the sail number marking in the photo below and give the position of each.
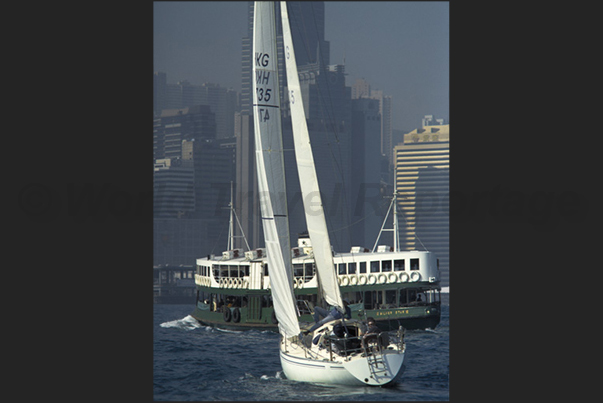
(264, 88)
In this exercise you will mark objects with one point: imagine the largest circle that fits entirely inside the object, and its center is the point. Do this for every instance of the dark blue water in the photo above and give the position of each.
(193, 362)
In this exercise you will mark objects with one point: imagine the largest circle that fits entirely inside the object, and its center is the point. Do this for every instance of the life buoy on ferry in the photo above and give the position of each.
(362, 279)
(273, 318)
(403, 277)
(300, 282)
(415, 276)
(345, 281)
(338, 280)
(226, 314)
(382, 278)
(353, 280)
(372, 279)
(236, 315)
(393, 278)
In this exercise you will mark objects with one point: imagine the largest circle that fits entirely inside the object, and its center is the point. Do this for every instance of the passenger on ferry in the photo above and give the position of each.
(329, 315)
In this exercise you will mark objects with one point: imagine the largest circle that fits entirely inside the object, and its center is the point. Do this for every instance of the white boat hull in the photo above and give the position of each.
(354, 372)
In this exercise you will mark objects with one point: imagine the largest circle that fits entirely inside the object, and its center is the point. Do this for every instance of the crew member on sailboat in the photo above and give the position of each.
(329, 316)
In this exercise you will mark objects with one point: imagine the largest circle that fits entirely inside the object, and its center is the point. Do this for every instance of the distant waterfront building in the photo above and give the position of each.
(429, 120)
(222, 102)
(193, 172)
(173, 188)
(174, 125)
(246, 205)
(366, 185)
(362, 89)
(422, 182)
(179, 241)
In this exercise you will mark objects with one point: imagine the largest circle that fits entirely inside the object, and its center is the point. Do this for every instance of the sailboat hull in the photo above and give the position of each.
(355, 372)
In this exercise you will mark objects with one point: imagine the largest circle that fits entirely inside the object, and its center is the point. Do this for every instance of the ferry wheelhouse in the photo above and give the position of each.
(396, 288)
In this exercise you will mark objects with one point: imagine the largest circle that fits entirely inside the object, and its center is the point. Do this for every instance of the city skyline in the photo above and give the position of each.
(398, 47)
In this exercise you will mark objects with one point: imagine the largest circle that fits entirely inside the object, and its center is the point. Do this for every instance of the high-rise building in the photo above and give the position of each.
(221, 101)
(422, 183)
(367, 198)
(186, 150)
(174, 125)
(173, 188)
(429, 120)
(362, 89)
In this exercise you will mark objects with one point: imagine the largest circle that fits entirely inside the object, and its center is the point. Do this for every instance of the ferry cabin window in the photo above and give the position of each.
(390, 298)
(245, 271)
(399, 264)
(234, 271)
(223, 270)
(414, 264)
(341, 268)
(386, 265)
(352, 268)
(298, 270)
(216, 270)
(309, 271)
(265, 269)
(375, 266)
(362, 267)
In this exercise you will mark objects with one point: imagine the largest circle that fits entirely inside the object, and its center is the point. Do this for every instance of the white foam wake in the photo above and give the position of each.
(186, 323)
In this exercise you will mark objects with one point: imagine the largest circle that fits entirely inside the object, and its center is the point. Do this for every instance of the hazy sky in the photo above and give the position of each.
(398, 47)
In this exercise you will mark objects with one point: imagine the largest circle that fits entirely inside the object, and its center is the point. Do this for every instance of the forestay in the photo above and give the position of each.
(313, 207)
(270, 166)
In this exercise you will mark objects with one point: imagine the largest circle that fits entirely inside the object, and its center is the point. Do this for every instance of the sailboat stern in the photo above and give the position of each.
(379, 370)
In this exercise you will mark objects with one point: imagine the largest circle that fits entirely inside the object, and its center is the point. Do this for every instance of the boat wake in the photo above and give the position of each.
(186, 323)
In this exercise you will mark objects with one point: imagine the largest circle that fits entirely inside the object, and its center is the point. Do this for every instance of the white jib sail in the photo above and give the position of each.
(271, 167)
(313, 207)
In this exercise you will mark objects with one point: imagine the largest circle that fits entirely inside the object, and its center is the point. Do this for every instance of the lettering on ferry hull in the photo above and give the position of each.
(393, 312)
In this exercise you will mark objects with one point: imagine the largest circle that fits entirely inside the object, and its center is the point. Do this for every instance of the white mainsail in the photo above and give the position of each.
(270, 166)
(313, 207)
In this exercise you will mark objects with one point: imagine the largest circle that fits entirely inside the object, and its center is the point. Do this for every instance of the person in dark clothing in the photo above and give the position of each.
(372, 327)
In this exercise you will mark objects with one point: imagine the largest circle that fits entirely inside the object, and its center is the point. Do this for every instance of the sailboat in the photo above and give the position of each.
(336, 352)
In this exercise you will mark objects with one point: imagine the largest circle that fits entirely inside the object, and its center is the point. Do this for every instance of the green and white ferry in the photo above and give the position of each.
(397, 288)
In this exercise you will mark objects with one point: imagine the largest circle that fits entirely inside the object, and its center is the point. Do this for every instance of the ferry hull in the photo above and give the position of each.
(391, 322)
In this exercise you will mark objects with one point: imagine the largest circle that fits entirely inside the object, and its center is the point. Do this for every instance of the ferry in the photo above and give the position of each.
(397, 288)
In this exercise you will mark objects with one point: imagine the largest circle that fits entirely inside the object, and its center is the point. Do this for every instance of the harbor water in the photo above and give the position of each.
(192, 362)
